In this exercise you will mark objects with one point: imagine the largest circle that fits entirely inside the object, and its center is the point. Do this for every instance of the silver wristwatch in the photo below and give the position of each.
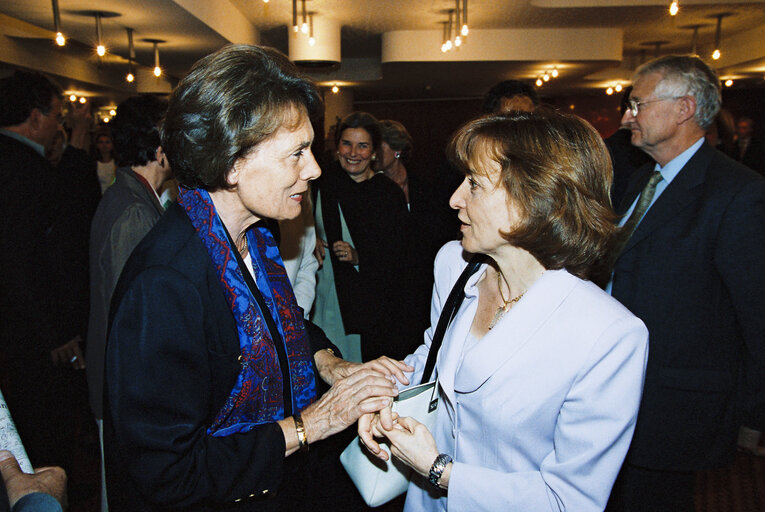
(437, 469)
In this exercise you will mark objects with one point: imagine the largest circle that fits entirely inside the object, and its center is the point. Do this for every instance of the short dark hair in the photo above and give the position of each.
(135, 130)
(557, 172)
(507, 89)
(23, 92)
(366, 122)
(231, 101)
(397, 137)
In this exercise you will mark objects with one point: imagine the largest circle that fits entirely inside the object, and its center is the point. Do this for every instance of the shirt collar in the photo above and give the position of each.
(674, 166)
(29, 142)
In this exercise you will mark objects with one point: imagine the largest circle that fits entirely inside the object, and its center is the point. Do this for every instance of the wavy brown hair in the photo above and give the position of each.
(557, 172)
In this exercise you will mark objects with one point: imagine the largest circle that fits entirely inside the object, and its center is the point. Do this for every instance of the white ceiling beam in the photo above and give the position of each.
(224, 18)
(575, 44)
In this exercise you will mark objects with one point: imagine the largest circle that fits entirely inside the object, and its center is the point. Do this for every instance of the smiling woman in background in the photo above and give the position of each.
(540, 371)
(212, 375)
(365, 244)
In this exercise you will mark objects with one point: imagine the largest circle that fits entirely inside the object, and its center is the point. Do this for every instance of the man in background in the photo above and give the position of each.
(692, 270)
(127, 211)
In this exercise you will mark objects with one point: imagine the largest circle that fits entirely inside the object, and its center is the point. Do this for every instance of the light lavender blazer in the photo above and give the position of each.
(538, 414)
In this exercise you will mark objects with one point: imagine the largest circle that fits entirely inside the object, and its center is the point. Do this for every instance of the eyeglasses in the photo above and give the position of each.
(634, 106)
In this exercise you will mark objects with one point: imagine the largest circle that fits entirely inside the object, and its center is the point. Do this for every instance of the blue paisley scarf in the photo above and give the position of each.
(258, 396)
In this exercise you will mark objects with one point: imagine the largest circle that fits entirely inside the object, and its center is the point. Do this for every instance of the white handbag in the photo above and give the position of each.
(380, 481)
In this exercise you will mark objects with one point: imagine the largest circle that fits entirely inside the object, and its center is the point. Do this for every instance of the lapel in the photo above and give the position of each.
(456, 335)
(466, 372)
(684, 190)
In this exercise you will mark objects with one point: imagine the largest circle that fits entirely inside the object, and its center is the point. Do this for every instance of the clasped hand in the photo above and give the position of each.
(410, 440)
(356, 389)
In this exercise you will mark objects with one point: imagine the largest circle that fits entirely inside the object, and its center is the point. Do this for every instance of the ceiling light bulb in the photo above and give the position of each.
(728, 82)
(610, 91)
(60, 39)
(304, 28)
(157, 71)
(72, 98)
(265, 1)
(130, 77)
(716, 54)
(618, 88)
(448, 45)
(112, 112)
(312, 41)
(546, 77)
(335, 89)
(443, 48)
(539, 82)
(674, 7)
(83, 100)
(106, 120)
(458, 41)
(555, 73)
(464, 30)
(101, 50)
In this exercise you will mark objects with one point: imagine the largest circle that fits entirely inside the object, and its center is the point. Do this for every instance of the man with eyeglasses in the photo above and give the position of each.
(37, 374)
(692, 271)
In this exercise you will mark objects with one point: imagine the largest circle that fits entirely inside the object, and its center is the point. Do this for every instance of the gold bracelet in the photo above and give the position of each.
(332, 352)
(301, 435)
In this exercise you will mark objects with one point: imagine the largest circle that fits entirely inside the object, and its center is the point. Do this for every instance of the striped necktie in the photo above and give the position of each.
(624, 234)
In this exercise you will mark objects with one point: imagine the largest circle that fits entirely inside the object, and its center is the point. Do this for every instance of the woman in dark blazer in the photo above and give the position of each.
(212, 374)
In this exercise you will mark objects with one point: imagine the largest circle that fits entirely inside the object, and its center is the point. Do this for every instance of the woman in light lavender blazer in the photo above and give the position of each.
(540, 372)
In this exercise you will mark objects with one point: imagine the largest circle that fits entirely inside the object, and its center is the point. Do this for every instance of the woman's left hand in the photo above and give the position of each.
(332, 368)
(410, 441)
(345, 252)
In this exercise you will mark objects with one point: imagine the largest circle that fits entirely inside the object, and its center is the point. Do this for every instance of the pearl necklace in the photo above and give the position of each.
(506, 304)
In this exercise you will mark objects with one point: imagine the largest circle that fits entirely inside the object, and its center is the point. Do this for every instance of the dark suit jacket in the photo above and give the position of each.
(171, 362)
(126, 213)
(693, 272)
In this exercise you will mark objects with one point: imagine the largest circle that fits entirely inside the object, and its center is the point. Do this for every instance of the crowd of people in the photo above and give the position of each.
(241, 309)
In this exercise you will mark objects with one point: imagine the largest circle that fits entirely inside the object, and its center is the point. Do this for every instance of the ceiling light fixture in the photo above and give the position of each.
(554, 72)
(464, 31)
(157, 68)
(335, 88)
(304, 26)
(674, 8)
(539, 82)
(311, 40)
(294, 16)
(60, 39)
(728, 82)
(100, 49)
(130, 77)
(546, 77)
(618, 88)
(457, 38)
(717, 54)
(72, 98)
(610, 90)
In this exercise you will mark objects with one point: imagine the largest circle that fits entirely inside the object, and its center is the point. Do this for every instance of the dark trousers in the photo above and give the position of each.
(647, 490)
